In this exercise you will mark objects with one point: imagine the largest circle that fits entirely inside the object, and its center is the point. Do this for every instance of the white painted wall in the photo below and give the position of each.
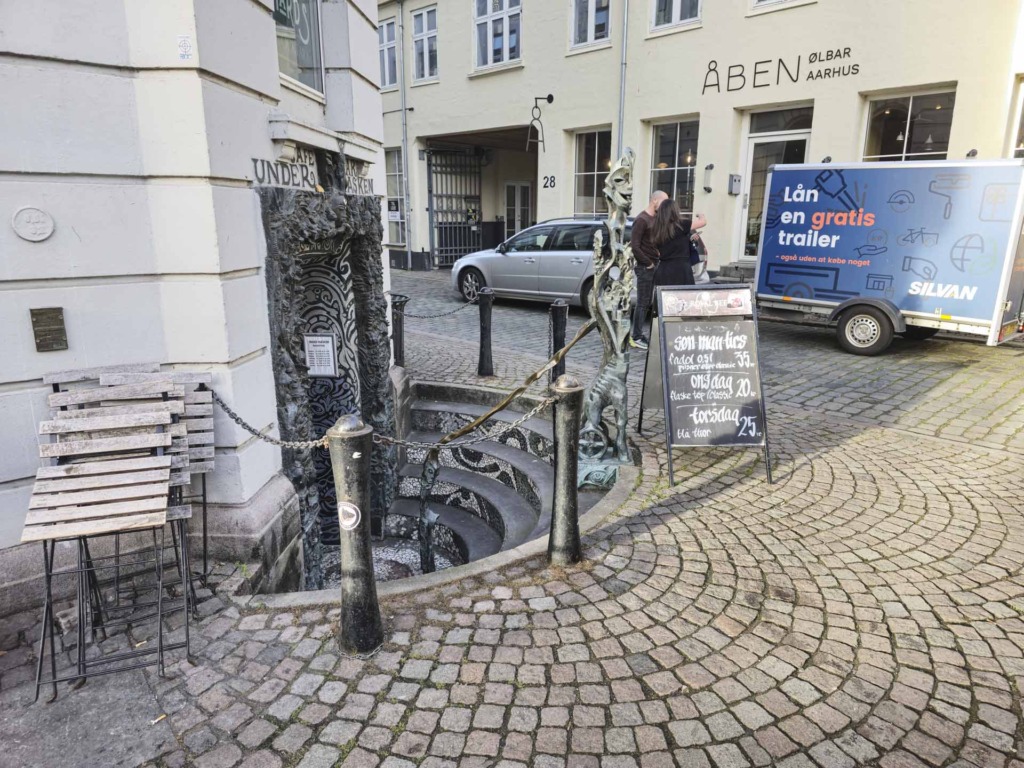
(899, 47)
(144, 161)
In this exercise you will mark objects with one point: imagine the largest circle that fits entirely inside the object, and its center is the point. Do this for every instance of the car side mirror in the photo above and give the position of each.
(501, 248)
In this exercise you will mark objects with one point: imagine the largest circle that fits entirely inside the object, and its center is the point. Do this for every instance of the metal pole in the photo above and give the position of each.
(486, 365)
(407, 208)
(559, 318)
(351, 443)
(622, 77)
(564, 545)
(398, 302)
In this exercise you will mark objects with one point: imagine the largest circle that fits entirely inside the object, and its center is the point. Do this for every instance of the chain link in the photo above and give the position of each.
(299, 445)
(467, 305)
(481, 438)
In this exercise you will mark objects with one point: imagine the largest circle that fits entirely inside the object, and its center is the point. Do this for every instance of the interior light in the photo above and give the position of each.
(928, 142)
(888, 111)
(938, 106)
(900, 137)
(662, 166)
(689, 157)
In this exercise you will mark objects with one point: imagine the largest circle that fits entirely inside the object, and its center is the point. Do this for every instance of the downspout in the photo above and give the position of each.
(622, 76)
(407, 213)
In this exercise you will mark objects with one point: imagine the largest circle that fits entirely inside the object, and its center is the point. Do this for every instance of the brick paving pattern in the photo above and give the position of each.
(864, 610)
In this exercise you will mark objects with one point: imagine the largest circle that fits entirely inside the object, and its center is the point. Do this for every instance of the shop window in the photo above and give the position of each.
(593, 161)
(669, 12)
(674, 161)
(298, 41)
(591, 21)
(796, 119)
(497, 32)
(424, 42)
(1018, 145)
(396, 196)
(910, 127)
(388, 54)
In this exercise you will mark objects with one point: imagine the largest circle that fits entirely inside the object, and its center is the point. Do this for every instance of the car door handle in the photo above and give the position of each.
(577, 261)
(529, 261)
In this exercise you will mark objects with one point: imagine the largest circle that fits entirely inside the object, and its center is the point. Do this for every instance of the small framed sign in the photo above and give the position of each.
(394, 214)
(321, 354)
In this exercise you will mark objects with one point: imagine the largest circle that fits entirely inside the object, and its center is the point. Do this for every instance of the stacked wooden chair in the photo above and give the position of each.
(118, 458)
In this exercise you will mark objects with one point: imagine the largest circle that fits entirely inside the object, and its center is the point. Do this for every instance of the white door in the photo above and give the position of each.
(764, 151)
(518, 207)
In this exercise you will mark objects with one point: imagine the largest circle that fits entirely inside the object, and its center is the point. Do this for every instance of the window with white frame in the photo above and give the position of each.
(424, 44)
(1018, 144)
(669, 12)
(498, 28)
(910, 127)
(396, 196)
(593, 161)
(298, 41)
(388, 54)
(674, 162)
(590, 21)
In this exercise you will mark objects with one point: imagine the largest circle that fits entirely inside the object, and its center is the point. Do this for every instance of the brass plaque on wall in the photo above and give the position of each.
(48, 329)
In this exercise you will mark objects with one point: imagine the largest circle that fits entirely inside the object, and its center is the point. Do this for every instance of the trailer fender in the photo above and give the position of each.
(898, 322)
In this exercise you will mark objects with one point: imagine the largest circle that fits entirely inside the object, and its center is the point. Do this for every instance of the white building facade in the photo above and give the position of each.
(135, 138)
(708, 93)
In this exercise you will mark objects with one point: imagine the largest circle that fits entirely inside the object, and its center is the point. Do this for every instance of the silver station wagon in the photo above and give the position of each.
(550, 260)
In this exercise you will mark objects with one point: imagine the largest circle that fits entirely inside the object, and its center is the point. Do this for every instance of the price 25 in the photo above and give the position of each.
(748, 427)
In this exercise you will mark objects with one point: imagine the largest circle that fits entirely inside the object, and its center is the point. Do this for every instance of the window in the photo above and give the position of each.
(793, 119)
(497, 32)
(667, 12)
(593, 161)
(424, 43)
(534, 239)
(298, 41)
(574, 237)
(396, 196)
(1018, 145)
(910, 127)
(388, 54)
(674, 160)
(590, 21)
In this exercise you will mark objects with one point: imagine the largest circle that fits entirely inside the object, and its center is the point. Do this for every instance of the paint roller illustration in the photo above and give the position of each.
(944, 183)
(833, 184)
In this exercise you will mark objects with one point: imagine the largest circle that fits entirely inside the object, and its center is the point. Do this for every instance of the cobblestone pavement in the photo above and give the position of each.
(864, 610)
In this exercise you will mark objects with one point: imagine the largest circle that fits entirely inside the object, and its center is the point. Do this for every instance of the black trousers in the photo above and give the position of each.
(644, 294)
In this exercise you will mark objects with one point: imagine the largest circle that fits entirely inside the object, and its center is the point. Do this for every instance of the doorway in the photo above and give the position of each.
(518, 207)
(776, 138)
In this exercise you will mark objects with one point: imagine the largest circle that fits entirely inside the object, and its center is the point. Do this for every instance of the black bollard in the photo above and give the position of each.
(351, 443)
(564, 543)
(486, 365)
(559, 318)
(398, 302)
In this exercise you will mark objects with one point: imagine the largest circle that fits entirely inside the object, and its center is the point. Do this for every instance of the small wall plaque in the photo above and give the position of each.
(48, 329)
(32, 224)
(321, 354)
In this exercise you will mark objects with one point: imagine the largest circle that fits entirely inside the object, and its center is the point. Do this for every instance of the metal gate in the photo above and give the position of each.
(453, 194)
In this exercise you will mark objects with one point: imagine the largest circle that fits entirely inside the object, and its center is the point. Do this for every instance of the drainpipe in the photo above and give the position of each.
(622, 75)
(405, 137)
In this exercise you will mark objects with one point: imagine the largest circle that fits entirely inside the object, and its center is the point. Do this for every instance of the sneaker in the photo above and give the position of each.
(640, 343)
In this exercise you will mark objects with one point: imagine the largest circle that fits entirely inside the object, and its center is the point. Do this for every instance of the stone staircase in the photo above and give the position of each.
(489, 497)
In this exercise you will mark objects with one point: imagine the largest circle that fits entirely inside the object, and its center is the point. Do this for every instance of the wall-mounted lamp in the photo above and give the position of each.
(827, 159)
(707, 177)
(972, 153)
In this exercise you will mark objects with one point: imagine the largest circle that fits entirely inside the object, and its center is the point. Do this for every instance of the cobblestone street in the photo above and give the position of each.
(863, 610)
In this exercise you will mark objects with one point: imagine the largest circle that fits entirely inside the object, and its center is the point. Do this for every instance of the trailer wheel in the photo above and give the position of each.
(919, 333)
(865, 330)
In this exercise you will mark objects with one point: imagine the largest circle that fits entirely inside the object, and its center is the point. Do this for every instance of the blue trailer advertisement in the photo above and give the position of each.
(937, 244)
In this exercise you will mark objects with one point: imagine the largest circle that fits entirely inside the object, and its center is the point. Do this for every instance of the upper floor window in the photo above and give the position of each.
(497, 32)
(424, 42)
(590, 21)
(910, 127)
(674, 158)
(388, 54)
(298, 41)
(668, 12)
(593, 161)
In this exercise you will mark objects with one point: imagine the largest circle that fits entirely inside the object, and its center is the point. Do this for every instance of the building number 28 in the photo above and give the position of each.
(549, 182)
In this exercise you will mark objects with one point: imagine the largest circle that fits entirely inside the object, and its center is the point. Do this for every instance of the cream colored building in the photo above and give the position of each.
(712, 93)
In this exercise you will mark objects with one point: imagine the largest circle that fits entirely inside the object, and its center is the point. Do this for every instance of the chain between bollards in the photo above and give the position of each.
(351, 443)
(486, 365)
(564, 547)
(398, 302)
(558, 315)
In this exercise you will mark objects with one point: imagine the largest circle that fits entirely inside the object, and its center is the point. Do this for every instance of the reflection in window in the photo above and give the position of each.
(593, 161)
(388, 54)
(910, 127)
(590, 21)
(668, 12)
(396, 196)
(497, 32)
(674, 162)
(424, 41)
(298, 41)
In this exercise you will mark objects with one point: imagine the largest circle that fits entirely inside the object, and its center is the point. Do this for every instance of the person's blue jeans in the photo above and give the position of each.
(644, 294)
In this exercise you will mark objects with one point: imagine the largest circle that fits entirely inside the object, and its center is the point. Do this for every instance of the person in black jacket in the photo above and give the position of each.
(646, 256)
(671, 235)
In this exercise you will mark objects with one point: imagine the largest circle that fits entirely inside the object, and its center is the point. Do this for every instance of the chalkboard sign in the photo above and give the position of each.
(710, 372)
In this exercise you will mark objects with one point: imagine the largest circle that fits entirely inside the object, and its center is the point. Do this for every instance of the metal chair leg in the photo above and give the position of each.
(159, 559)
(206, 566)
(47, 627)
(79, 681)
(190, 605)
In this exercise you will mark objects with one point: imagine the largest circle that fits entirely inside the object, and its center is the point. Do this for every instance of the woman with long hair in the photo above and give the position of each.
(671, 235)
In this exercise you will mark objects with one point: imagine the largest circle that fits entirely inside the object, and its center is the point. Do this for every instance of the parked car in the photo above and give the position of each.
(550, 260)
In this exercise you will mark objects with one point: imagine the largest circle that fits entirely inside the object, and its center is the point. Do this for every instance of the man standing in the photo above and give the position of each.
(646, 255)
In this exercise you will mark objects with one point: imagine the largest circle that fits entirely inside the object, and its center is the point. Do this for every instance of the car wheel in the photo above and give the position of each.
(865, 331)
(585, 291)
(919, 333)
(470, 282)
